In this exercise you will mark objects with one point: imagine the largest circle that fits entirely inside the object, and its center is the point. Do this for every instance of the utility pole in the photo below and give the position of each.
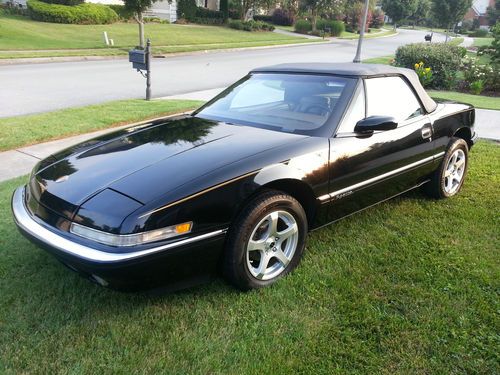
(148, 70)
(357, 58)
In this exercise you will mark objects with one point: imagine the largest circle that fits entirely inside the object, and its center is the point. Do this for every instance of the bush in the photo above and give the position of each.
(64, 2)
(283, 17)
(488, 75)
(186, 9)
(124, 13)
(263, 18)
(207, 13)
(250, 25)
(303, 26)
(378, 19)
(208, 21)
(83, 14)
(336, 27)
(443, 59)
(480, 33)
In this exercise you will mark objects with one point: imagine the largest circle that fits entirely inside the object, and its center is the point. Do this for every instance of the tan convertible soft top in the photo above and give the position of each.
(356, 70)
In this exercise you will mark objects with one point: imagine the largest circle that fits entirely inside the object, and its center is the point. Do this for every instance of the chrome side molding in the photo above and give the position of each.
(350, 189)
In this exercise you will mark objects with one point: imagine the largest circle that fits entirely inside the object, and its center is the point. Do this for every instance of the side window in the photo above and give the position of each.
(355, 112)
(391, 96)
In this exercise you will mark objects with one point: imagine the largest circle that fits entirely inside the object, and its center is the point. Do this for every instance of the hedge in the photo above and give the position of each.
(303, 26)
(336, 27)
(443, 58)
(250, 25)
(283, 17)
(124, 13)
(64, 2)
(84, 14)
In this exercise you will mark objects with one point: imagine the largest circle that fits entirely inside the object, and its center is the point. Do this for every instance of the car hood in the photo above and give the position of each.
(145, 162)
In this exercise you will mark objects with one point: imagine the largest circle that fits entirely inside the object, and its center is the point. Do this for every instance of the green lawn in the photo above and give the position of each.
(407, 287)
(25, 130)
(478, 101)
(20, 35)
(375, 33)
(479, 42)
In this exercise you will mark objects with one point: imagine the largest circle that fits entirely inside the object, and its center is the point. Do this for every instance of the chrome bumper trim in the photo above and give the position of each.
(334, 194)
(28, 224)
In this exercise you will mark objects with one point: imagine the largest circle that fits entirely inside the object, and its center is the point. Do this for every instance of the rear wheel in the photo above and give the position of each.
(266, 241)
(448, 179)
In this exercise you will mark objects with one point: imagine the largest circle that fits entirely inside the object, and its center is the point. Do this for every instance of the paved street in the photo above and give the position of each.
(33, 88)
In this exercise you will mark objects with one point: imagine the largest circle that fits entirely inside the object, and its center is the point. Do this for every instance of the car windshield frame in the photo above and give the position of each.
(326, 129)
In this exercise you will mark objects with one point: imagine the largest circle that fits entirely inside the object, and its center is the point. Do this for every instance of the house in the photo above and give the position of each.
(164, 9)
(478, 11)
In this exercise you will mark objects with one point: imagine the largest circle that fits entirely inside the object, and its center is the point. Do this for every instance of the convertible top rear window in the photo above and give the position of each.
(294, 103)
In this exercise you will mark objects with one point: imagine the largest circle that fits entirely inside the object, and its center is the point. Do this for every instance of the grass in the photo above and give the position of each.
(375, 33)
(25, 130)
(480, 42)
(407, 287)
(478, 101)
(23, 37)
(456, 41)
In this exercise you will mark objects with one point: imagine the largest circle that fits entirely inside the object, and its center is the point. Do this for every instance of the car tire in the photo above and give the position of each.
(266, 241)
(448, 179)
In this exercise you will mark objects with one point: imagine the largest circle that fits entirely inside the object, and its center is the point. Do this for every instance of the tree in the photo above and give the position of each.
(494, 13)
(139, 7)
(421, 12)
(398, 10)
(449, 12)
(318, 7)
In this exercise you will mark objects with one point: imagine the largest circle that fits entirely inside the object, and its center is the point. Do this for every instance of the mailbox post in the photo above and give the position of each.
(141, 60)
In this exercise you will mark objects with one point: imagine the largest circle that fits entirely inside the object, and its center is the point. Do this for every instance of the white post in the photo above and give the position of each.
(106, 40)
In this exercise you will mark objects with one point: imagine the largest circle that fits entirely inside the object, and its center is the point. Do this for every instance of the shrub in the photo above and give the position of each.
(283, 17)
(489, 75)
(378, 19)
(479, 33)
(123, 13)
(250, 25)
(186, 9)
(445, 60)
(64, 2)
(207, 13)
(424, 74)
(87, 14)
(208, 21)
(336, 27)
(263, 18)
(477, 87)
(303, 26)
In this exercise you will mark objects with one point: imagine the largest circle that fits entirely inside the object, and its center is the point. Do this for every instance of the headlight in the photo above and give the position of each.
(130, 239)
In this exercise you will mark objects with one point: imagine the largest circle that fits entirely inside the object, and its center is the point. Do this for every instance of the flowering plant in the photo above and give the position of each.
(424, 74)
(474, 72)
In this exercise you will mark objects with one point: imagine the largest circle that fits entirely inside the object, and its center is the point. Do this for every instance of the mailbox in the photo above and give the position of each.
(138, 59)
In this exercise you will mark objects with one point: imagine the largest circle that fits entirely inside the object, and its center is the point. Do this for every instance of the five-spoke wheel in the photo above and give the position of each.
(266, 241)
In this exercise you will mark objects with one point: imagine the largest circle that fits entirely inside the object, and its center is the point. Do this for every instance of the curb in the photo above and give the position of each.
(44, 60)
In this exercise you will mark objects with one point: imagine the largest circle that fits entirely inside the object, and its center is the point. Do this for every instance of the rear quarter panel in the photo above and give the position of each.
(448, 119)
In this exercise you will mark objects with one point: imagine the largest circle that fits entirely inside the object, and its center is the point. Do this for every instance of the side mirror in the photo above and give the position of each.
(373, 123)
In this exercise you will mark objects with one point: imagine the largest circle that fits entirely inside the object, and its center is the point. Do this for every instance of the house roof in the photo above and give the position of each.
(355, 70)
(480, 6)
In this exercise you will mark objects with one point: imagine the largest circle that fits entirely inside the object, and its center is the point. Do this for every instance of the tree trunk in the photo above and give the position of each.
(140, 21)
(314, 19)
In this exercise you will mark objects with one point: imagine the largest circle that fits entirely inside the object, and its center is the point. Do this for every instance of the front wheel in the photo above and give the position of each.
(448, 179)
(266, 241)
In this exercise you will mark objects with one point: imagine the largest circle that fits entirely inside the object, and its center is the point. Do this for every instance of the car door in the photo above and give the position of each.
(366, 169)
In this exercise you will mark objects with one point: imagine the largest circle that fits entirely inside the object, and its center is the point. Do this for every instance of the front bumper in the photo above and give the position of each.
(174, 262)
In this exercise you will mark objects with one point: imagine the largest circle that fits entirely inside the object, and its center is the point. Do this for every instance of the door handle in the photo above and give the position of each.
(426, 132)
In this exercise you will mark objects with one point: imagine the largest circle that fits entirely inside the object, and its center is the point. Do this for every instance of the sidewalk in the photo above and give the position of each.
(19, 162)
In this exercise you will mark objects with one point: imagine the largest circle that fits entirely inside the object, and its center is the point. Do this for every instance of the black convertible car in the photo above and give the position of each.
(237, 185)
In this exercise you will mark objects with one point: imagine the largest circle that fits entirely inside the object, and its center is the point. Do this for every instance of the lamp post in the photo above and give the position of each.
(357, 58)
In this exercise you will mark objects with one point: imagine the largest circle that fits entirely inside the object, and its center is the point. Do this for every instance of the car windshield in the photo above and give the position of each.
(294, 103)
